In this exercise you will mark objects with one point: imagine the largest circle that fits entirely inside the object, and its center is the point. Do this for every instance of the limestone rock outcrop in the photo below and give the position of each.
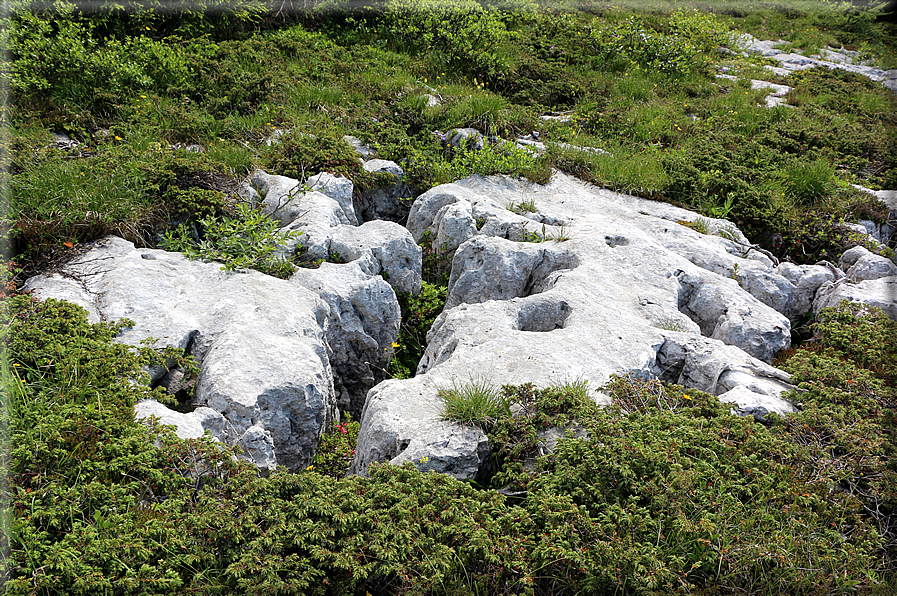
(264, 345)
(623, 288)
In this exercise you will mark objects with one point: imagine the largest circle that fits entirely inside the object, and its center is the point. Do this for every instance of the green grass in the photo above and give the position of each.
(474, 403)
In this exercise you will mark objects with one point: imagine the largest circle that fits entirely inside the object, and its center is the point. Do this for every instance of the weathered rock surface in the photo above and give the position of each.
(880, 292)
(329, 227)
(401, 423)
(362, 324)
(860, 264)
(389, 201)
(828, 57)
(381, 247)
(631, 290)
(469, 138)
(338, 188)
(264, 345)
(361, 149)
(187, 426)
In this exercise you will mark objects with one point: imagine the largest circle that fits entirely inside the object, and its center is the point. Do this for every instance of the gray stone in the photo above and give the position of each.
(327, 229)
(191, 425)
(468, 138)
(339, 189)
(880, 293)
(615, 297)
(425, 208)
(381, 247)
(733, 317)
(833, 58)
(455, 225)
(490, 268)
(258, 448)
(362, 325)
(860, 264)
(757, 405)
(258, 340)
(807, 279)
(289, 201)
(361, 149)
(401, 422)
(390, 202)
(64, 142)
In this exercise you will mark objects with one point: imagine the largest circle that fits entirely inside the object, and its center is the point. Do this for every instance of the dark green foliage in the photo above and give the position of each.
(246, 240)
(847, 377)
(816, 235)
(515, 439)
(418, 314)
(86, 483)
(336, 450)
(300, 156)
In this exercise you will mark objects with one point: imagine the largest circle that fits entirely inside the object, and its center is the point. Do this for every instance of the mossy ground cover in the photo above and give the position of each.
(667, 491)
(664, 492)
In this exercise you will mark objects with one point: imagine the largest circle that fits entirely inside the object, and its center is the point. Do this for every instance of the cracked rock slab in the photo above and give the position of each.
(622, 294)
(259, 340)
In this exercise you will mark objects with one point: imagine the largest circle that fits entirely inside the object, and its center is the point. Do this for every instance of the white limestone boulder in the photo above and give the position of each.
(259, 340)
(329, 228)
(363, 321)
(338, 188)
(858, 263)
(880, 293)
(616, 296)
(381, 247)
(191, 425)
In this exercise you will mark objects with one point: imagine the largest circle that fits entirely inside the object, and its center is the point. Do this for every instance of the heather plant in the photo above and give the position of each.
(846, 424)
(301, 155)
(665, 490)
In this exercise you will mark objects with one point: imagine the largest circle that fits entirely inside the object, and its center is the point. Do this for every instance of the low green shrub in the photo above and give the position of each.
(301, 155)
(58, 57)
(336, 450)
(247, 240)
(87, 486)
(689, 47)
(664, 491)
(493, 158)
(418, 314)
(848, 391)
(461, 34)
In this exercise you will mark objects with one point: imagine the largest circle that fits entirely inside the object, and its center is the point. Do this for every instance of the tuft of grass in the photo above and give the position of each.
(524, 206)
(700, 225)
(807, 183)
(474, 403)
